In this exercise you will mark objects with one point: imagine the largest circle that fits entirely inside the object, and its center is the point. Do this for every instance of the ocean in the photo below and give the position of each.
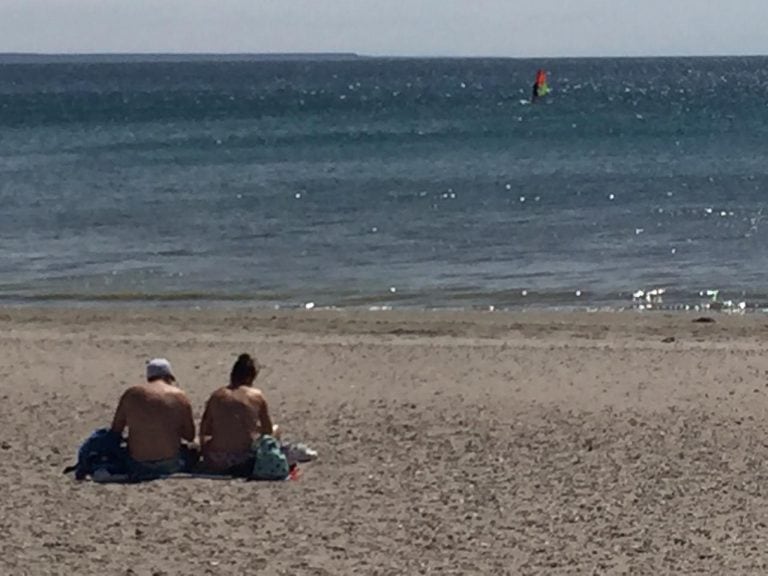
(375, 183)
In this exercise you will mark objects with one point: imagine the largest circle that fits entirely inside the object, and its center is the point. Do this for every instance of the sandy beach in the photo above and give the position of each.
(450, 443)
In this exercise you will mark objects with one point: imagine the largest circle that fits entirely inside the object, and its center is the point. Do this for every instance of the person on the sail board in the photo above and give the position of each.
(540, 87)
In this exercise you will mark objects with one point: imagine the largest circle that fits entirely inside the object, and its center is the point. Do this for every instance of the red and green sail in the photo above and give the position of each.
(540, 87)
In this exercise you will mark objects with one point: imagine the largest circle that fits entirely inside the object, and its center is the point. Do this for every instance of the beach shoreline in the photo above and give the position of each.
(450, 442)
(359, 319)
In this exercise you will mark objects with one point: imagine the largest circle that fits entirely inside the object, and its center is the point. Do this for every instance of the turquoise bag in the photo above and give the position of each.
(269, 461)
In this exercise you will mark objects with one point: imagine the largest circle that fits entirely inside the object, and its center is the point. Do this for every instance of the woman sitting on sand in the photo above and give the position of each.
(234, 417)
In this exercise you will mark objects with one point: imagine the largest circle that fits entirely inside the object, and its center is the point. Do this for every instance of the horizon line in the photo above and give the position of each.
(352, 55)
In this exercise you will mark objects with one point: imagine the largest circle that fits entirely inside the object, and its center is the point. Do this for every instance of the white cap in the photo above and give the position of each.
(159, 368)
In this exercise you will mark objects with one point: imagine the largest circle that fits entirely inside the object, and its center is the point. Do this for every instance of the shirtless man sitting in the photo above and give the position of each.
(234, 417)
(158, 416)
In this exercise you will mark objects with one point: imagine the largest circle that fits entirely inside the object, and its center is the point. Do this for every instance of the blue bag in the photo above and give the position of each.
(103, 449)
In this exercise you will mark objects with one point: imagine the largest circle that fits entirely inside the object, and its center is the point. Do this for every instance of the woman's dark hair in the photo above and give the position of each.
(244, 371)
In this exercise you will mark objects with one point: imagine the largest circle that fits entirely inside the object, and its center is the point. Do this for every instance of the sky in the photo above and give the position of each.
(507, 28)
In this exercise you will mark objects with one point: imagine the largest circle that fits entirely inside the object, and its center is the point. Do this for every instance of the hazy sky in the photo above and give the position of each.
(394, 27)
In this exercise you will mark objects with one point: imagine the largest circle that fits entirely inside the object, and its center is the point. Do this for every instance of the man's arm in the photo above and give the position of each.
(187, 420)
(120, 420)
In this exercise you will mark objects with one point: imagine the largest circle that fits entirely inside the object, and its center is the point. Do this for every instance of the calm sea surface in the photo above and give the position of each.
(376, 182)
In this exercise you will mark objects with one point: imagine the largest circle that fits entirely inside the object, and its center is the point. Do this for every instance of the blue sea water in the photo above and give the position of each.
(383, 182)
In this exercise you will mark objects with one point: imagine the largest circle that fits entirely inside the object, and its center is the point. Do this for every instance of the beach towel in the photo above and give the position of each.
(144, 471)
(104, 457)
(135, 471)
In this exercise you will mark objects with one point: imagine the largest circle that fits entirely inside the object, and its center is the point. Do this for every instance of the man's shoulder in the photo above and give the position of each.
(134, 391)
(157, 391)
(175, 397)
(178, 392)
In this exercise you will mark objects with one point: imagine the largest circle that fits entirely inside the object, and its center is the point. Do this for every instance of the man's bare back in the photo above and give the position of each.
(158, 416)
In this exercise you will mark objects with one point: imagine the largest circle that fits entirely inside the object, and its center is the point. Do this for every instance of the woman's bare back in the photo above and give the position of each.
(233, 418)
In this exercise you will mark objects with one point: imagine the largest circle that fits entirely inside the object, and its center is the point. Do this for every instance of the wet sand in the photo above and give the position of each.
(450, 443)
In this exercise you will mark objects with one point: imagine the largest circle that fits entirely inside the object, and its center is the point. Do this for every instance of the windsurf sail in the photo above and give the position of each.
(540, 87)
